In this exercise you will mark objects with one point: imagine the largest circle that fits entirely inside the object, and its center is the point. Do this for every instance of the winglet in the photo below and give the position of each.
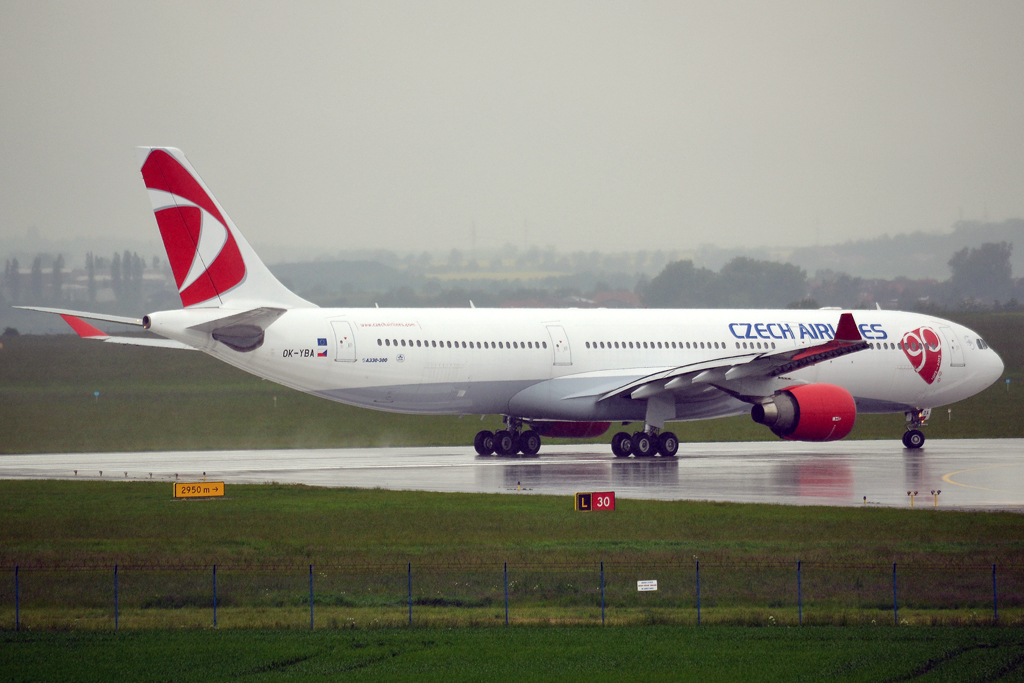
(82, 328)
(847, 329)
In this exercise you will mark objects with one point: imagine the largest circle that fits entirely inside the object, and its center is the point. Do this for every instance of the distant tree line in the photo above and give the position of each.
(980, 278)
(125, 271)
(741, 283)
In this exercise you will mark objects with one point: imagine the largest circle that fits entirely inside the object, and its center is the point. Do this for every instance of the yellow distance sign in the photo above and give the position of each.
(202, 489)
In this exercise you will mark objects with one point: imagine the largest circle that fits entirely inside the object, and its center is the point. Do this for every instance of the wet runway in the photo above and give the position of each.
(972, 474)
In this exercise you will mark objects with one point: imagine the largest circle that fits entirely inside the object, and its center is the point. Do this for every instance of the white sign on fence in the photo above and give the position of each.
(651, 585)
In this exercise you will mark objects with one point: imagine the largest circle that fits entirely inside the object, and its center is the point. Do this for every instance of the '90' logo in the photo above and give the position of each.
(924, 352)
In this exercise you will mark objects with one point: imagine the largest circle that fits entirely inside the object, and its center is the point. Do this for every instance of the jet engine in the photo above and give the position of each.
(808, 412)
(570, 430)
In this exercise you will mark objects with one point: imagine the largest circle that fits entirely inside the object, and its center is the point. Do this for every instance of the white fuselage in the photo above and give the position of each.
(557, 364)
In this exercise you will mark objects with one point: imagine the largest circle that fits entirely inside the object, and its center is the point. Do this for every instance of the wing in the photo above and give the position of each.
(746, 377)
(87, 331)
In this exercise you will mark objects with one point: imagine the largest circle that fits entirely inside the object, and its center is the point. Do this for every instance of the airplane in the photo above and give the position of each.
(571, 373)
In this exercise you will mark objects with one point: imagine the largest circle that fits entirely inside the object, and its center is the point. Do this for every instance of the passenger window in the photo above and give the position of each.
(380, 343)
(388, 342)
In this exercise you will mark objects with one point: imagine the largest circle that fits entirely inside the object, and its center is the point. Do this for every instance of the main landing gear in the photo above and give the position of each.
(508, 441)
(645, 444)
(913, 437)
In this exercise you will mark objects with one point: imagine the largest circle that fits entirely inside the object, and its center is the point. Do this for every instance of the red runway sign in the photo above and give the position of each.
(604, 500)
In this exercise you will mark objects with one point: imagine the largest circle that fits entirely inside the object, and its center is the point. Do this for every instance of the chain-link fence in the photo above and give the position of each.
(350, 596)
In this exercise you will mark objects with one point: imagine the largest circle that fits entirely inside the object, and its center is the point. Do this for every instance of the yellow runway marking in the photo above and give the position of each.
(948, 477)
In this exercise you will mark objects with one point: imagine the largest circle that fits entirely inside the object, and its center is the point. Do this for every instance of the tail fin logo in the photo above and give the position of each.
(924, 351)
(203, 254)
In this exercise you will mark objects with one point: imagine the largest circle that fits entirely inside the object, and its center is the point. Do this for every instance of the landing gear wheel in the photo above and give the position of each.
(643, 447)
(529, 442)
(913, 439)
(484, 443)
(668, 445)
(506, 443)
(622, 445)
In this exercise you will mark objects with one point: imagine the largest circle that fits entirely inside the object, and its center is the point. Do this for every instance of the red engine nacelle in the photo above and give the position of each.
(809, 412)
(571, 430)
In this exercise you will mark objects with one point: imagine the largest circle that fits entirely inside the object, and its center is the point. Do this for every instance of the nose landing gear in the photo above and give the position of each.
(914, 437)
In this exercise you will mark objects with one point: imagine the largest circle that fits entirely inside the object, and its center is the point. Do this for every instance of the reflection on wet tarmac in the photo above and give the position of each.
(976, 473)
(825, 479)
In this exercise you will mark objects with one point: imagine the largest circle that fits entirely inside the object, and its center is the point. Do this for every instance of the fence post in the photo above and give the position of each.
(116, 610)
(17, 601)
(799, 596)
(410, 593)
(215, 596)
(698, 592)
(895, 605)
(310, 597)
(506, 594)
(602, 593)
(995, 597)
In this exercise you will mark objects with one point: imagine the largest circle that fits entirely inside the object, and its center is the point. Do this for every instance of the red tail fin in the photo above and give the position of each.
(212, 263)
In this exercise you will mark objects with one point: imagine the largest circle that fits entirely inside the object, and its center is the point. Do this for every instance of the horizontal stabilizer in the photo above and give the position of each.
(120, 319)
(87, 331)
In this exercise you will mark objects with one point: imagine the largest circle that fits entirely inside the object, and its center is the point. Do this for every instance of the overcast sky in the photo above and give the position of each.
(579, 125)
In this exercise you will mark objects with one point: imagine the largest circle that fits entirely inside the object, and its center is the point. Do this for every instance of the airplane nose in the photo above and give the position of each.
(997, 366)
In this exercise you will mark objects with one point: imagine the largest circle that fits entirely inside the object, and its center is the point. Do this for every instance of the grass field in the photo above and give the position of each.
(263, 538)
(152, 399)
(137, 522)
(538, 654)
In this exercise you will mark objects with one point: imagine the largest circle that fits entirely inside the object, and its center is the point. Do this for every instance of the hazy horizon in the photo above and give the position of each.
(577, 125)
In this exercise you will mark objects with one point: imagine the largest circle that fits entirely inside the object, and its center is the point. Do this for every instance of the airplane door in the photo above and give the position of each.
(560, 343)
(956, 352)
(345, 342)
